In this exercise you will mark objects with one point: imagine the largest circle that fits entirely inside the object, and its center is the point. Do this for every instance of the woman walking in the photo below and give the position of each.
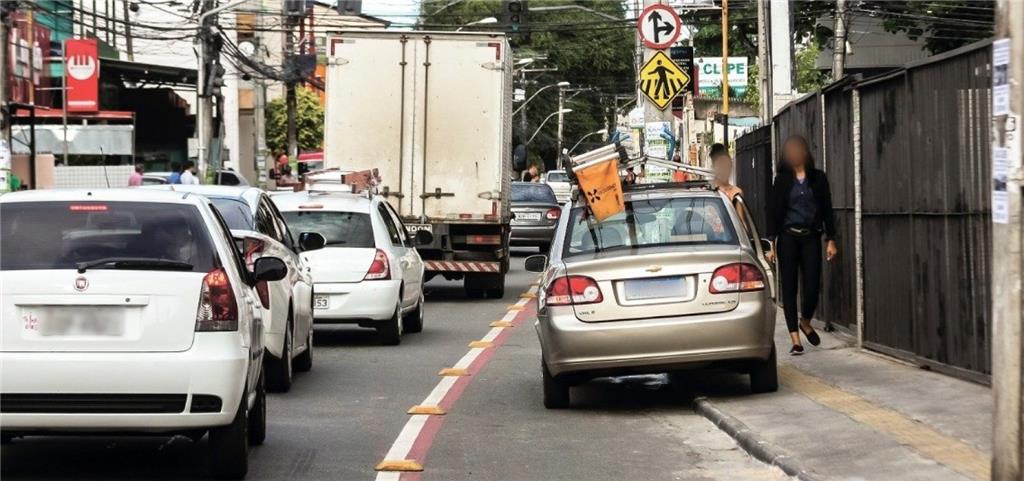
(800, 213)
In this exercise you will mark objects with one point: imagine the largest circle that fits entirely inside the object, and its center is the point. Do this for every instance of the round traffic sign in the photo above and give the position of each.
(659, 26)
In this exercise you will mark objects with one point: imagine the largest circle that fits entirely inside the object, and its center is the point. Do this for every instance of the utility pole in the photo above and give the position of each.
(1008, 242)
(128, 32)
(561, 117)
(839, 41)
(725, 73)
(651, 111)
(292, 15)
(764, 65)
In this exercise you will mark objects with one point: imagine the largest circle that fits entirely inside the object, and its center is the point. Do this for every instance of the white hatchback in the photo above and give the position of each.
(130, 311)
(369, 272)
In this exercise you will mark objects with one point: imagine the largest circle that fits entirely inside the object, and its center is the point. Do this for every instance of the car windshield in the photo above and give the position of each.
(531, 192)
(64, 235)
(340, 229)
(652, 222)
(235, 212)
(558, 177)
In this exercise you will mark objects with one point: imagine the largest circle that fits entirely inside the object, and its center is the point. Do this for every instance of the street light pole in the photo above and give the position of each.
(597, 132)
(562, 84)
(561, 118)
(204, 111)
(546, 119)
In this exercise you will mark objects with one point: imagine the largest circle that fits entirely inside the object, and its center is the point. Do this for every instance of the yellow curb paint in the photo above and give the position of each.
(434, 410)
(528, 295)
(403, 465)
(452, 371)
(480, 344)
(501, 324)
(944, 449)
(514, 307)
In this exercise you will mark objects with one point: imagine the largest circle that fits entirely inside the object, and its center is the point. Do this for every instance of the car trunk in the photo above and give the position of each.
(532, 213)
(102, 310)
(339, 264)
(653, 282)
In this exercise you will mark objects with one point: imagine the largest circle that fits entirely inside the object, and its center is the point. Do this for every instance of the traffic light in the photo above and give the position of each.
(214, 78)
(514, 14)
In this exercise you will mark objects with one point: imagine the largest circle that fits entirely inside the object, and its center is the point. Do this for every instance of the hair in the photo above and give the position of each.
(189, 164)
(783, 166)
(138, 168)
(717, 149)
(176, 166)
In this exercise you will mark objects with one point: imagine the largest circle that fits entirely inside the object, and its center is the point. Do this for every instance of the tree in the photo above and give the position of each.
(809, 78)
(309, 121)
(943, 24)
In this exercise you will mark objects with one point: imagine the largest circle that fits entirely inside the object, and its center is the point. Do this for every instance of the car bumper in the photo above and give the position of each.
(356, 301)
(570, 345)
(216, 364)
(531, 235)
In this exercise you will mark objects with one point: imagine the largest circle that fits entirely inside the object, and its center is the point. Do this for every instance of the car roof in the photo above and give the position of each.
(334, 201)
(102, 195)
(247, 193)
(665, 190)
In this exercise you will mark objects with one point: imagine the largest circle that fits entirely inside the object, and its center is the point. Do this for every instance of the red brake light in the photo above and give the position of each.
(484, 239)
(87, 207)
(553, 214)
(380, 268)
(218, 310)
(576, 290)
(738, 277)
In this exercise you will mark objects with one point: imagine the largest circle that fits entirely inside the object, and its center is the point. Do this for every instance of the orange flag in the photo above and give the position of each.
(600, 184)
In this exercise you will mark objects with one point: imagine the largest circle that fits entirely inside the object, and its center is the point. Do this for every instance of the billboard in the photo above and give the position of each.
(709, 76)
(82, 74)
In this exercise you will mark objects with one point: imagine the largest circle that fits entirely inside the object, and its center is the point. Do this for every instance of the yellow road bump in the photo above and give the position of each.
(399, 465)
(501, 324)
(944, 449)
(432, 410)
(480, 344)
(514, 307)
(527, 295)
(452, 371)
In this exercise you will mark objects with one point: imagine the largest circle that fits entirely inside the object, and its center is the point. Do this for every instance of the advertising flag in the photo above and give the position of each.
(600, 184)
(82, 74)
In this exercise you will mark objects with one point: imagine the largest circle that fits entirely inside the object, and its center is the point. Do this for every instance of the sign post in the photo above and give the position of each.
(660, 80)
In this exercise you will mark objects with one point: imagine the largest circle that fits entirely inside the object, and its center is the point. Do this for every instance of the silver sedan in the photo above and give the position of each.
(677, 281)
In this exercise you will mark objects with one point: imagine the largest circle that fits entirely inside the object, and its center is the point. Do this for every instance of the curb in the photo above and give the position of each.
(753, 444)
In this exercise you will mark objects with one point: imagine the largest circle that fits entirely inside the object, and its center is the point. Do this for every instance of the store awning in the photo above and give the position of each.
(97, 139)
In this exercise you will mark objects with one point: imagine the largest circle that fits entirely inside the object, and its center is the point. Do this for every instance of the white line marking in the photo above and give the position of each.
(493, 334)
(409, 433)
(440, 390)
(389, 475)
(468, 359)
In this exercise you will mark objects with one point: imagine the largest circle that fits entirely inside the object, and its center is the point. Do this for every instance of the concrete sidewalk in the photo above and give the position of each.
(846, 414)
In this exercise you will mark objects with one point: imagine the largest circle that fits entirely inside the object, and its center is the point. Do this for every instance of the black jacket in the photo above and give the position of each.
(778, 202)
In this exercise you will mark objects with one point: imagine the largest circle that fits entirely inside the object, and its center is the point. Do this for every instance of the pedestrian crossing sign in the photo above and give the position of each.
(661, 79)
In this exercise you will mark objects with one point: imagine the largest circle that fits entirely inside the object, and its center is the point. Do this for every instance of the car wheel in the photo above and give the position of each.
(304, 361)
(764, 376)
(279, 371)
(556, 391)
(390, 332)
(258, 415)
(413, 321)
(229, 446)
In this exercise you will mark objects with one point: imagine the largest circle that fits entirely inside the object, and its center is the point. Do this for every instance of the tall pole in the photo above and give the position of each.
(725, 73)
(291, 102)
(839, 41)
(763, 63)
(1008, 245)
(128, 33)
(561, 118)
(522, 113)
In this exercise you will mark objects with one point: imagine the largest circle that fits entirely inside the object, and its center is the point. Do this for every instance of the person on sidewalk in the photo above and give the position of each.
(187, 176)
(175, 177)
(135, 179)
(799, 212)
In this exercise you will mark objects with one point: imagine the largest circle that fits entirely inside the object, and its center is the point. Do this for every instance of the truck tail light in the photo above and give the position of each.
(738, 277)
(573, 290)
(553, 214)
(218, 310)
(484, 240)
(380, 268)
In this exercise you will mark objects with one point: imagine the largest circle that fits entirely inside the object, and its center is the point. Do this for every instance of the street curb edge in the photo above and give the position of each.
(753, 444)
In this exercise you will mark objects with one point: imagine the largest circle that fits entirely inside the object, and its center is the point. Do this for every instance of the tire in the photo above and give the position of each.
(556, 391)
(229, 446)
(764, 376)
(390, 332)
(304, 361)
(413, 322)
(258, 415)
(279, 371)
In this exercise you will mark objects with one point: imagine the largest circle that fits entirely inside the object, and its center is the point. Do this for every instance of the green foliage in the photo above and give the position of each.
(943, 24)
(309, 121)
(809, 79)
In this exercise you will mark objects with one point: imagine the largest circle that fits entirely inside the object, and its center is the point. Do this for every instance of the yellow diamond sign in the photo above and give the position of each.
(661, 80)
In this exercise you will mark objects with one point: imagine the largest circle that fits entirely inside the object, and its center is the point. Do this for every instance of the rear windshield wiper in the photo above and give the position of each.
(135, 262)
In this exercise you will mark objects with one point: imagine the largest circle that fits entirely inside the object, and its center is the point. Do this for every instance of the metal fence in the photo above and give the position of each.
(912, 147)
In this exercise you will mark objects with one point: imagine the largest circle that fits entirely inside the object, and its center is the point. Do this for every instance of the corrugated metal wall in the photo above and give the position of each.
(754, 171)
(838, 295)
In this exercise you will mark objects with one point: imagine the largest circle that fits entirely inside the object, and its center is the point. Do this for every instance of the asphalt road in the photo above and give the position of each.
(341, 418)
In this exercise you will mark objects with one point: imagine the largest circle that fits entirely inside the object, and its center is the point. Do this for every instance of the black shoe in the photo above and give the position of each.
(812, 336)
(797, 350)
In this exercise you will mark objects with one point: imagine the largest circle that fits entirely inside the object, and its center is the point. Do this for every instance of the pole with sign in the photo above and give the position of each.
(659, 80)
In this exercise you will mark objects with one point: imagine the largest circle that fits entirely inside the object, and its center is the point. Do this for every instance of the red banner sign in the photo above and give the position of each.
(82, 74)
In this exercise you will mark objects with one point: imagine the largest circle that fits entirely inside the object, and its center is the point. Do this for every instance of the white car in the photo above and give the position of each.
(130, 310)
(558, 180)
(288, 303)
(369, 273)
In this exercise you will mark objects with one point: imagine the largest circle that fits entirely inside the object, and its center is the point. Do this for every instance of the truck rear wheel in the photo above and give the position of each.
(498, 291)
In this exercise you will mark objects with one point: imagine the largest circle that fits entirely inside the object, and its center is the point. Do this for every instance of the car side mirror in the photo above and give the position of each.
(766, 245)
(537, 263)
(311, 241)
(268, 269)
(423, 238)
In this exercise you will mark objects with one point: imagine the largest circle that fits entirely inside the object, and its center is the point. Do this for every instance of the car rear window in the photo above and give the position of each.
(235, 212)
(60, 235)
(340, 229)
(653, 222)
(557, 177)
(531, 192)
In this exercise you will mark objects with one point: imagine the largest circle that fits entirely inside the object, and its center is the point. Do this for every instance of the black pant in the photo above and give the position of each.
(799, 263)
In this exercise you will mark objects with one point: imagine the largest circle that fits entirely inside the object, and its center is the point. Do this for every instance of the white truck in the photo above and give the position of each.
(432, 112)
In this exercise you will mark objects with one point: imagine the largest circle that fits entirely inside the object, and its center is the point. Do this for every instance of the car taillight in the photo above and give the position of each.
(380, 268)
(553, 214)
(738, 277)
(573, 290)
(218, 310)
(484, 239)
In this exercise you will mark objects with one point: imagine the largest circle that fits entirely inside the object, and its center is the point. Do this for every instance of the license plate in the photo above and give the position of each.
(416, 227)
(321, 302)
(655, 288)
(528, 216)
(80, 321)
